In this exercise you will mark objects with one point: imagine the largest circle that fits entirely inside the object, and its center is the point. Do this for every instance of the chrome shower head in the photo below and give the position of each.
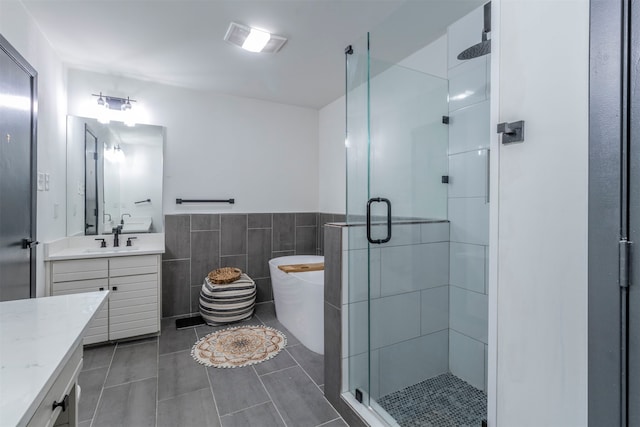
(484, 47)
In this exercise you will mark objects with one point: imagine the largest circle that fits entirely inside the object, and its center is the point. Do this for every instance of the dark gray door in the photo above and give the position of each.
(90, 182)
(17, 175)
(634, 221)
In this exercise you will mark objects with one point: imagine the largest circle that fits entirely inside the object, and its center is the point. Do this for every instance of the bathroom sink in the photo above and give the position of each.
(137, 225)
(112, 249)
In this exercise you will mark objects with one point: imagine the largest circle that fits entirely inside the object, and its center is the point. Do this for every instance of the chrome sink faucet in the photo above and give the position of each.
(122, 217)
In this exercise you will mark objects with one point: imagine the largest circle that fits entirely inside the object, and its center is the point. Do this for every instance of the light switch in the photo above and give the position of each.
(40, 181)
(46, 181)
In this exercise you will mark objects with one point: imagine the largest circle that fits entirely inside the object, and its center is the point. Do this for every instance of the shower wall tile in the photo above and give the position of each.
(205, 254)
(467, 359)
(363, 283)
(359, 373)
(414, 267)
(469, 218)
(433, 232)
(468, 266)
(332, 349)
(233, 234)
(434, 314)
(284, 229)
(464, 33)
(306, 240)
(468, 313)
(469, 128)
(209, 241)
(306, 218)
(333, 266)
(357, 327)
(260, 220)
(259, 252)
(176, 237)
(202, 222)
(264, 290)
(468, 174)
(412, 361)
(468, 83)
(394, 319)
(175, 287)
(195, 298)
(277, 254)
(239, 261)
(402, 234)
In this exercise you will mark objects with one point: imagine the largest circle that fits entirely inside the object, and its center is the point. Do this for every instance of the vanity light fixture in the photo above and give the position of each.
(253, 39)
(107, 103)
(114, 102)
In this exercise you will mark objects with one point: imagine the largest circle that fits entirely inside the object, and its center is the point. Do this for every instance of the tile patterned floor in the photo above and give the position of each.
(156, 383)
(442, 401)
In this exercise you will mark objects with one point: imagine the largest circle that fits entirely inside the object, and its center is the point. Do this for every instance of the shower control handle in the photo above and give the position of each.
(369, 203)
(511, 132)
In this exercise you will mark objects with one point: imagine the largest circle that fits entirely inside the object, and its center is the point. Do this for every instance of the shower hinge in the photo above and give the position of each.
(359, 395)
(348, 50)
(445, 179)
(445, 120)
(624, 257)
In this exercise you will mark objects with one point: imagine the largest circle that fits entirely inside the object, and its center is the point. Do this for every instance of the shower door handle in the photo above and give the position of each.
(369, 203)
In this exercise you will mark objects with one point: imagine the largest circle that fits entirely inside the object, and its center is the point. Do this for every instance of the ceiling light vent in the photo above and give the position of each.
(238, 34)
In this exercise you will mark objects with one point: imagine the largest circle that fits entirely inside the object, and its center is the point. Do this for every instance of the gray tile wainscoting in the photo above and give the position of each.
(198, 243)
(333, 325)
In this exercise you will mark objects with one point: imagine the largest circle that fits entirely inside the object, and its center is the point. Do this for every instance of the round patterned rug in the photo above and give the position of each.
(239, 346)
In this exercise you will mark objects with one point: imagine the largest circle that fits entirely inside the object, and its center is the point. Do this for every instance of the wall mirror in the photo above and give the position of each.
(114, 177)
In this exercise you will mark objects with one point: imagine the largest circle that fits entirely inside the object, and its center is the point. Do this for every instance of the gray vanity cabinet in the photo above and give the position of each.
(133, 308)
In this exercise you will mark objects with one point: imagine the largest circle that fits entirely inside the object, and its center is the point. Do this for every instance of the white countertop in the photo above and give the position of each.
(79, 247)
(37, 337)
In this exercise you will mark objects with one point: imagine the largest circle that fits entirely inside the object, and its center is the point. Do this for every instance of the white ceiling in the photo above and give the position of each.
(180, 42)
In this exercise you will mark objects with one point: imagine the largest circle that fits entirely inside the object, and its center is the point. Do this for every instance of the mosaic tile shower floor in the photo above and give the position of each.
(442, 401)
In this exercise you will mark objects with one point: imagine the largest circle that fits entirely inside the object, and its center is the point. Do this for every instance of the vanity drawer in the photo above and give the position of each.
(77, 286)
(131, 265)
(80, 269)
(45, 415)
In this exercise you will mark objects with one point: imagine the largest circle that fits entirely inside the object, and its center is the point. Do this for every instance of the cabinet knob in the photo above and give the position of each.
(115, 288)
(64, 403)
(102, 289)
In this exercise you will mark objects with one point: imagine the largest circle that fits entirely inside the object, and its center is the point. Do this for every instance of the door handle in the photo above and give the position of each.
(29, 243)
(369, 203)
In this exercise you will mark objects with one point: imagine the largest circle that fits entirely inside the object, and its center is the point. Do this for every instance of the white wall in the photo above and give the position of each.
(332, 169)
(432, 59)
(21, 31)
(263, 154)
(541, 277)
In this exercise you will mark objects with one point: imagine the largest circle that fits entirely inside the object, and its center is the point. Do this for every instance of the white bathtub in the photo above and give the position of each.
(299, 300)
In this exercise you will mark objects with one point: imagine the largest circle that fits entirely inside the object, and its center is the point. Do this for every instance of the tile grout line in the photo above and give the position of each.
(269, 394)
(95, 411)
(158, 362)
(303, 370)
(330, 421)
(213, 395)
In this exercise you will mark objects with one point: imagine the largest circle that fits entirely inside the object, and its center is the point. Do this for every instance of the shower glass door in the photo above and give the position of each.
(398, 249)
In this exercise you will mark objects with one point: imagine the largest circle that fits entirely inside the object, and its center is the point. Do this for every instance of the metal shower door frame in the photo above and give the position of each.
(613, 137)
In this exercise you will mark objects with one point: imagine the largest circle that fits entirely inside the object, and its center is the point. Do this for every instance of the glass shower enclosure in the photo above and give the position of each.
(400, 364)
